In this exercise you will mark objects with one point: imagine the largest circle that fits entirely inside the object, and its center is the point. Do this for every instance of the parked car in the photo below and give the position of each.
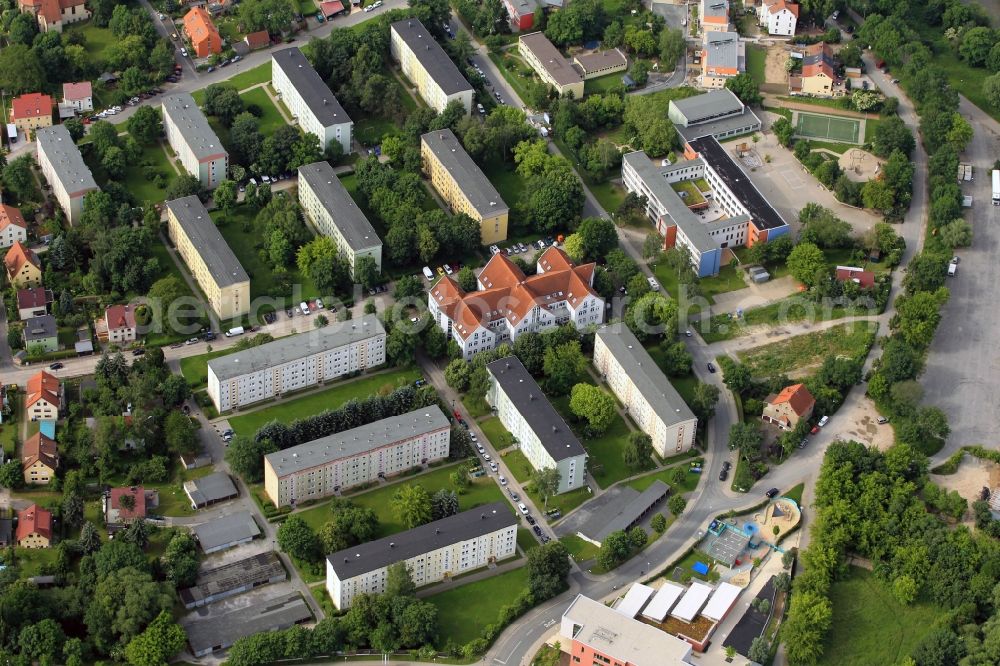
(503, 480)
(537, 530)
(711, 368)
(514, 496)
(486, 457)
(529, 518)
(771, 493)
(882, 420)
(823, 421)
(56, 366)
(138, 352)
(493, 466)
(723, 474)
(523, 508)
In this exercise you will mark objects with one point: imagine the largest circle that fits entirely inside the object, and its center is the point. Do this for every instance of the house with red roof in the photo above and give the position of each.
(779, 17)
(56, 14)
(31, 111)
(39, 459)
(818, 76)
(201, 31)
(13, 228)
(142, 500)
(118, 325)
(258, 40)
(859, 276)
(34, 527)
(79, 95)
(33, 302)
(45, 397)
(509, 303)
(23, 267)
(786, 409)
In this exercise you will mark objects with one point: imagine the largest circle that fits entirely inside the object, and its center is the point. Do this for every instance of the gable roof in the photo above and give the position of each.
(797, 396)
(33, 297)
(258, 40)
(120, 316)
(865, 279)
(43, 386)
(10, 215)
(432, 58)
(40, 328)
(17, 256)
(137, 492)
(31, 105)
(34, 520)
(310, 86)
(818, 59)
(199, 26)
(782, 5)
(75, 91)
(37, 448)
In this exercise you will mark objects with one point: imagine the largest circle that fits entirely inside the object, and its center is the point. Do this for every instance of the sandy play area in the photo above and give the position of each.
(970, 478)
(859, 165)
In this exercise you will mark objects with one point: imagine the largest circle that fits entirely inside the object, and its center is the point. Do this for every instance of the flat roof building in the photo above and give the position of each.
(377, 450)
(210, 489)
(719, 113)
(463, 185)
(226, 531)
(310, 100)
(652, 402)
(295, 362)
(544, 436)
(211, 261)
(218, 632)
(627, 510)
(329, 207)
(714, 15)
(600, 63)
(437, 550)
(234, 578)
(427, 66)
(723, 56)
(661, 603)
(635, 599)
(692, 602)
(199, 150)
(550, 65)
(594, 633)
(721, 601)
(63, 167)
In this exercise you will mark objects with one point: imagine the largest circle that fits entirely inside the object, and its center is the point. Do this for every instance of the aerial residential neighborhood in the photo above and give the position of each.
(547, 333)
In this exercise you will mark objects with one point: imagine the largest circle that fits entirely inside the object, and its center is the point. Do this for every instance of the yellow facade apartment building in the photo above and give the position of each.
(211, 261)
(463, 185)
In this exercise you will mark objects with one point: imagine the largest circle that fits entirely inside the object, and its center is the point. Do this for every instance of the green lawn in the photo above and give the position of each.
(329, 398)
(97, 41)
(465, 611)
(795, 493)
(691, 480)
(966, 80)
(508, 182)
(756, 62)
(483, 490)
(154, 155)
(609, 195)
(195, 368)
(580, 549)
(496, 433)
(173, 500)
(513, 70)
(259, 74)
(869, 626)
(519, 466)
(271, 118)
(730, 278)
(689, 192)
(603, 84)
(807, 351)
(35, 561)
(475, 406)
(526, 540)
(605, 452)
(369, 131)
(788, 310)
(8, 433)
(565, 502)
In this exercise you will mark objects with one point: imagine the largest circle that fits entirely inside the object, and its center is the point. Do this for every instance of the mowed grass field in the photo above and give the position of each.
(605, 451)
(870, 626)
(465, 611)
(330, 398)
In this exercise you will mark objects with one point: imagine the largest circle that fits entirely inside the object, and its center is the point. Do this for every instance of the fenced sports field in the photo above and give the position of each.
(828, 128)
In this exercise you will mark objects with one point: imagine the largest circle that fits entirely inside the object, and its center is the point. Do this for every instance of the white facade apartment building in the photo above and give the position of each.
(780, 18)
(448, 547)
(543, 436)
(295, 362)
(63, 167)
(329, 207)
(427, 66)
(200, 152)
(309, 99)
(652, 402)
(509, 303)
(377, 450)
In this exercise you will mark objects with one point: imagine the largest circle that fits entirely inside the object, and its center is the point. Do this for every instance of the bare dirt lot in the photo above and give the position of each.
(970, 478)
(863, 426)
(774, 65)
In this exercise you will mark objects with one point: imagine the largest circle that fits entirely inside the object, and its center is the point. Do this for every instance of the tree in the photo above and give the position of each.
(745, 87)
(676, 504)
(809, 617)
(319, 260)
(19, 179)
(563, 366)
(298, 539)
(595, 405)
(705, 398)
(225, 195)
(807, 264)
(444, 503)
(615, 549)
(184, 185)
(246, 457)
(745, 438)
(783, 130)
(366, 271)
(658, 523)
(976, 45)
(246, 138)
(991, 90)
(90, 539)
(672, 47)
(598, 236)
(823, 228)
(11, 475)
(399, 582)
(546, 482)
(957, 233)
(162, 639)
(939, 648)
(548, 568)
(123, 604)
(42, 640)
(180, 560)
(75, 128)
(865, 100)
(653, 314)
(760, 650)
(412, 505)
(638, 450)
(892, 134)
(456, 374)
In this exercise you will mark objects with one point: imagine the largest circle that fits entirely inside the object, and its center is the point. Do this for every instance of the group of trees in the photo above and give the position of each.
(579, 121)
(620, 546)
(552, 199)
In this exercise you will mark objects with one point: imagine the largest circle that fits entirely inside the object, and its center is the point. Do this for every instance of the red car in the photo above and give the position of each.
(814, 430)
(457, 415)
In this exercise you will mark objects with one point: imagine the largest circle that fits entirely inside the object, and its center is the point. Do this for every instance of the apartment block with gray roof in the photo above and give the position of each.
(63, 167)
(212, 263)
(427, 66)
(200, 151)
(723, 56)
(309, 99)
(295, 362)
(549, 64)
(329, 207)
(377, 450)
(652, 401)
(432, 552)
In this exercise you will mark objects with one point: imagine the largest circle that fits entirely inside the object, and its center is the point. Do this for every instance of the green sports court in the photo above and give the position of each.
(828, 128)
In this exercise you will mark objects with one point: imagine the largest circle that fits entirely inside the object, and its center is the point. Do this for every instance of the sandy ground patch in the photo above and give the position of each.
(774, 65)
(863, 426)
(972, 475)
(859, 165)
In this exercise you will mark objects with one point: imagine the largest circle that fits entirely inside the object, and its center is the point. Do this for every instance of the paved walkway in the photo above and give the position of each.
(482, 574)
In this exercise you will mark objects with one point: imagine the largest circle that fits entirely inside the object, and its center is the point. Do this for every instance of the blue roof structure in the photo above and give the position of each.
(700, 568)
(48, 428)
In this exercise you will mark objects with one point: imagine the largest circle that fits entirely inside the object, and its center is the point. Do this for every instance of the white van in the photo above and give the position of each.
(233, 332)
(304, 307)
(952, 269)
(428, 273)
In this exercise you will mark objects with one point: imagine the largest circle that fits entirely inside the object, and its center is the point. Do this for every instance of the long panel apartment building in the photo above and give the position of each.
(309, 99)
(427, 66)
(440, 549)
(345, 459)
(461, 183)
(215, 268)
(63, 167)
(198, 148)
(543, 435)
(295, 362)
(329, 207)
(652, 402)
(550, 65)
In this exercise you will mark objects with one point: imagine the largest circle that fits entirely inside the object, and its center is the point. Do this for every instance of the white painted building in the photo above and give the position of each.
(427, 66)
(779, 17)
(509, 303)
(63, 167)
(542, 434)
(199, 150)
(295, 362)
(345, 459)
(652, 402)
(433, 552)
(309, 99)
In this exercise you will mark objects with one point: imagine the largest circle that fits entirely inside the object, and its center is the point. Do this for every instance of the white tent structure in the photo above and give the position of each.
(634, 600)
(721, 601)
(663, 601)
